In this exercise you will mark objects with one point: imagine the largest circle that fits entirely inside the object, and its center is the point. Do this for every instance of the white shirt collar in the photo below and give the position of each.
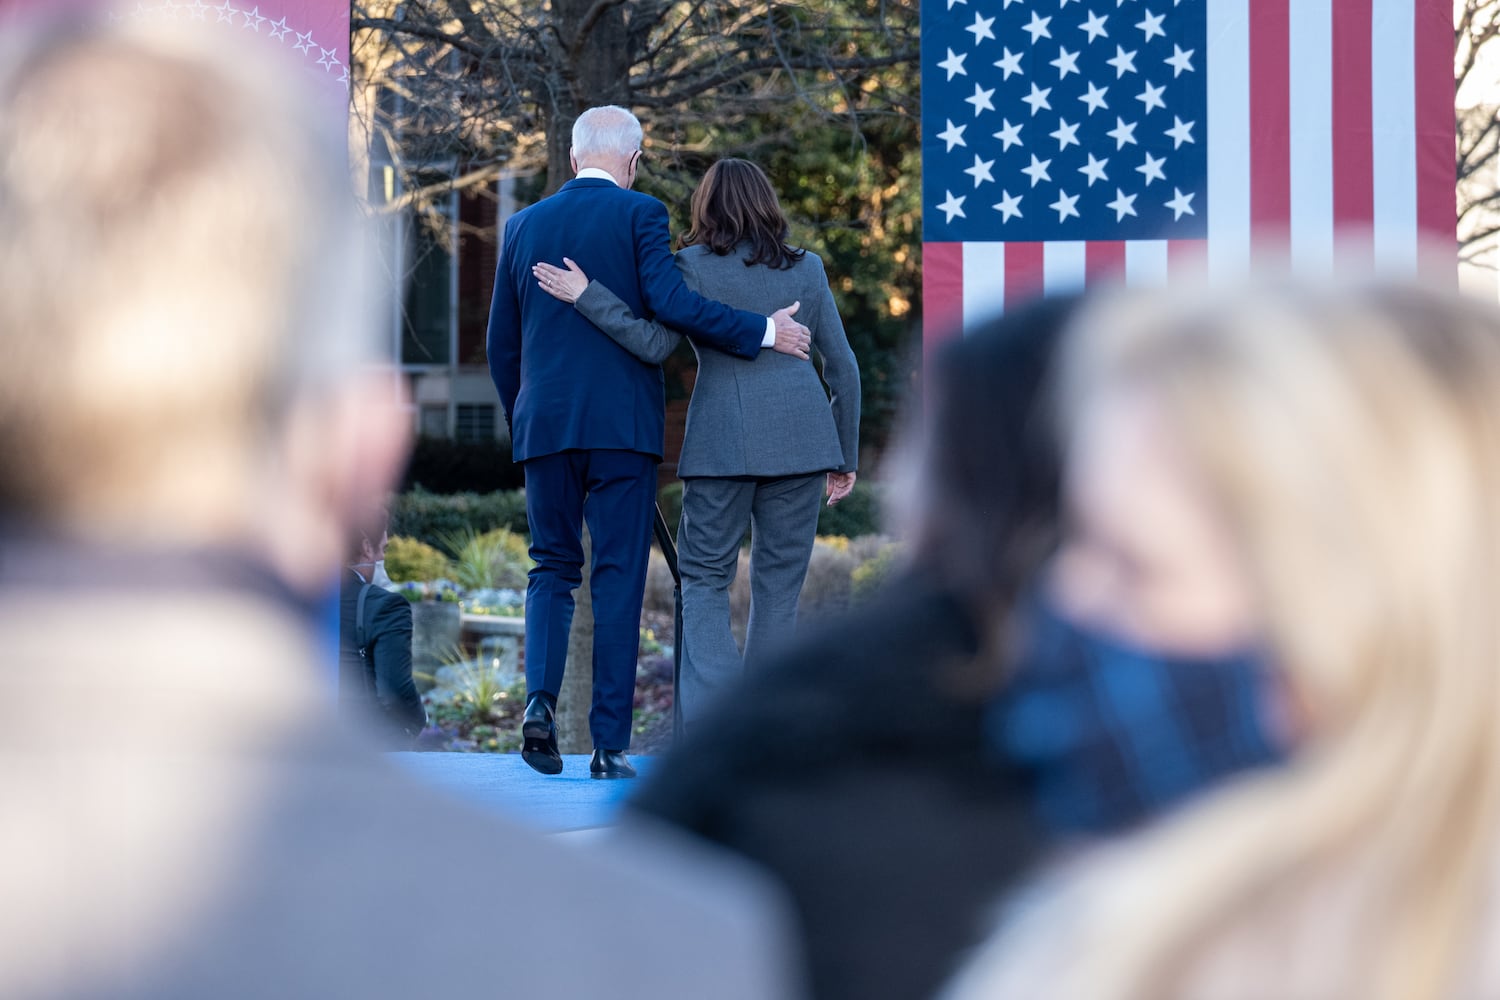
(594, 173)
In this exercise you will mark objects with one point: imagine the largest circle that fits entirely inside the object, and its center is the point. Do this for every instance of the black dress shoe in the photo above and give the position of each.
(610, 764)
(539, 737)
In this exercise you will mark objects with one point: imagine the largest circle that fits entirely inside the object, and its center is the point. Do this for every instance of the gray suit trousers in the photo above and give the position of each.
(782, 514)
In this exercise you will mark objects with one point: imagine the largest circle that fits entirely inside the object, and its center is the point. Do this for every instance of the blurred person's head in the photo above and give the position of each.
(187, 362)
(1313, 474)
(978, 500)
(735, 203)
(368, 537)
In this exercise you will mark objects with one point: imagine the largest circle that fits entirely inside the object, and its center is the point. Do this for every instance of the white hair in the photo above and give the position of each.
(606, 130)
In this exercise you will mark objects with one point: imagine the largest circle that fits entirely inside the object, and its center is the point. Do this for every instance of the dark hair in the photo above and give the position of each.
(989, 463)
(370, 522)
(735, 204)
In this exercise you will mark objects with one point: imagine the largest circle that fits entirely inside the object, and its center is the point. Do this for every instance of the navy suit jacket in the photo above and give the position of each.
(563, 383)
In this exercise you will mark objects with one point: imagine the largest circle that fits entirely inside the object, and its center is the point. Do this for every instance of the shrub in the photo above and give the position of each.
(867, 547)
(492, 561)
(660, 587)
(669, 499)
(856, 515)
(408, 560)
(431, 517)
(870, 574)
(828, 579)
(443, 465)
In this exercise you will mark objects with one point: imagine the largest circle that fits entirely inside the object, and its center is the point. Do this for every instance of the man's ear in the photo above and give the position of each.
(572, 160)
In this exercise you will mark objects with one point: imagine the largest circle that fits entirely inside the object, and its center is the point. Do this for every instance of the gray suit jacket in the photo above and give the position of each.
(766, 417)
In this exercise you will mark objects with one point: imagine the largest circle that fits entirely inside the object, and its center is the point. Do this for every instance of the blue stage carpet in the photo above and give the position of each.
(503, 783)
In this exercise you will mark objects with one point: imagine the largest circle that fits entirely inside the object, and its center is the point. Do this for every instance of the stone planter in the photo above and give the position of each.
(499, 642)
(436, 627)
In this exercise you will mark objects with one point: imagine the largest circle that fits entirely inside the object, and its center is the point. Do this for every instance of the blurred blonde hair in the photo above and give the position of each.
(178, 262)
(1352, 439)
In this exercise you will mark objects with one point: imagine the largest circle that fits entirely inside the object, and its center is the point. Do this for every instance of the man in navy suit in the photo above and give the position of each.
(587, 419)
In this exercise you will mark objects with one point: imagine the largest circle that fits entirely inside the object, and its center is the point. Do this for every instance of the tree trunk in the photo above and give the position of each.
(595, 71)
(577, 692)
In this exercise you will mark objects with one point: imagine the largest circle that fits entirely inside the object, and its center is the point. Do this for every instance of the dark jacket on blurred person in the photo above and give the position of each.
(846, 770)
(375, 682)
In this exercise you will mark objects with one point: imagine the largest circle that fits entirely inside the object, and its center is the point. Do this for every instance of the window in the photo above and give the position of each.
(474, 422)
(427, 314)
(434, 421)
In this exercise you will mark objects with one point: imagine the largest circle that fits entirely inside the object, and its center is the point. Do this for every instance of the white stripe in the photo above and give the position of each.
(1228, 136)
(1310, 55)
(1146, 263)
(1064, 266)
(1393, 101)
(984, 282)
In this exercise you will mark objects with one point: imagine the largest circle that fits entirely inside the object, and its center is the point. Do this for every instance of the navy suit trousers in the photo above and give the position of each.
(616, 492)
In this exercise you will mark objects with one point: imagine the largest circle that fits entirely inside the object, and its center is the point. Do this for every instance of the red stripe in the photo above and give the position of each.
(942, 293)
(1024, 272)
(1104, 262)
(1270, 124)
(1353, 119)
(1437, 204)
(1186, 259)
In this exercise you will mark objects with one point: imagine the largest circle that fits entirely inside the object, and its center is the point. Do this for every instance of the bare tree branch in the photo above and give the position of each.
(1477, 146)
(483, 89)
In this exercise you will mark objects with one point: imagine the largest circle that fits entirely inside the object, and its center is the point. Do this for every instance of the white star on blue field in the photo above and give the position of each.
(1079, 120)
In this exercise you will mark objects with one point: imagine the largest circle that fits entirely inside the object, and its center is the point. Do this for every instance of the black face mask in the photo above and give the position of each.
(1109, 734)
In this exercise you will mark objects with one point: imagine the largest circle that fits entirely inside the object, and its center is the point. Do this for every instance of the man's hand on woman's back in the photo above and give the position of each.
(791, 337)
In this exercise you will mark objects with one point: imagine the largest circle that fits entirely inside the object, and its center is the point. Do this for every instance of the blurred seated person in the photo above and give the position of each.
(869, 768)
(1304, 479)
(193, 416)
(375, 682)
(866, 768)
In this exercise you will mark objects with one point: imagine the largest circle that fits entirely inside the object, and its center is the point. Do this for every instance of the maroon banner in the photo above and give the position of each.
(313, 32)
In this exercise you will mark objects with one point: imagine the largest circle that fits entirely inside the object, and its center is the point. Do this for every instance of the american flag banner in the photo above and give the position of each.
(1066, 142)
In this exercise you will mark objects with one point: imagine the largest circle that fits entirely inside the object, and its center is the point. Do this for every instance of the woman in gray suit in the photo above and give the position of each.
(764, 437)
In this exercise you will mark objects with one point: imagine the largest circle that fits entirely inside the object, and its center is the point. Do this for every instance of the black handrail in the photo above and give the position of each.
(669, 552)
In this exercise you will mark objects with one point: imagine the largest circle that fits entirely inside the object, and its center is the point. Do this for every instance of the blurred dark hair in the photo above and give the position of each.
(984, 495)
(369, 523)
(735, 204)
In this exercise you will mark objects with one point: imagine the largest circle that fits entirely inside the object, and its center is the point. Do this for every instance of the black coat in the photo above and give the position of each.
(378, 686)
(846, 769)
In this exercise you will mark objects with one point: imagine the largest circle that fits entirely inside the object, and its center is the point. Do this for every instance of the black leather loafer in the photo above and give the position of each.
(539, 737)
(610, 764)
